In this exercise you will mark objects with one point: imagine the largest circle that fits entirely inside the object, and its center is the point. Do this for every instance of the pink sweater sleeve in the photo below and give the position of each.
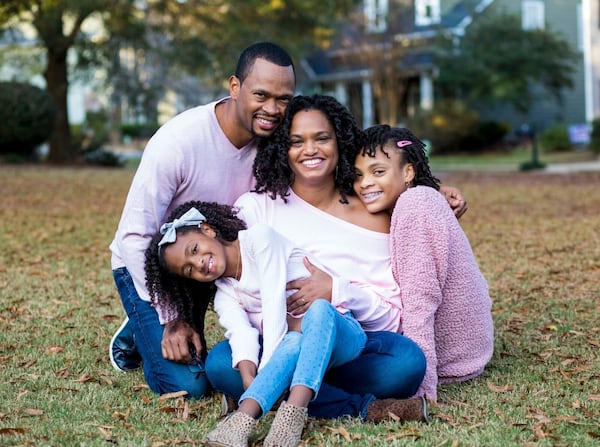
(419, 248)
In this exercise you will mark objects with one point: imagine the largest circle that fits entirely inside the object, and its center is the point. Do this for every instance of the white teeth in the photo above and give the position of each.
(371, 195)
(312, 162)
(265, 121)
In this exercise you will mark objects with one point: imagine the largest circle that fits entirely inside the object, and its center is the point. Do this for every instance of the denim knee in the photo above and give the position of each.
(319, 312)
(219, 372)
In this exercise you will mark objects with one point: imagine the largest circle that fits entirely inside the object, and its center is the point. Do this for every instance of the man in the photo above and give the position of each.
(205, 153)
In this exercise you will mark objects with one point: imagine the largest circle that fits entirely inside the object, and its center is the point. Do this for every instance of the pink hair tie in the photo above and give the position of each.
(404, 143)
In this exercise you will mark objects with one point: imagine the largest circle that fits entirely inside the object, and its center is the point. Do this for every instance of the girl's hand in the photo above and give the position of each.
(317, 286)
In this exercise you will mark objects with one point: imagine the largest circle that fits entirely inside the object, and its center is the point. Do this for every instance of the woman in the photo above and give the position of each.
(304, 190)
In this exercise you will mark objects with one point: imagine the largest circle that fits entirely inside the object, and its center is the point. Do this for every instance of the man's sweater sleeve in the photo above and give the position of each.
(152, 190)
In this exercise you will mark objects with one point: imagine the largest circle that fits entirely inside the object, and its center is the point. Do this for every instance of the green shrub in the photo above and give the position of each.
(595, 136)
(555, 139)
(446, 126)
(136, 130)
(27, 118)
(486, 135)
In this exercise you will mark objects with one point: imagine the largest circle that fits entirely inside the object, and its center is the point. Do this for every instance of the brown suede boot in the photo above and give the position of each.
(233, 431)
(401, 410)
(286, 429)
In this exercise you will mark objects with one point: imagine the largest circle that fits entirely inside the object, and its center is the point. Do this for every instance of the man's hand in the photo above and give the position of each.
(455, 199)
(318, 285)
(177, 336)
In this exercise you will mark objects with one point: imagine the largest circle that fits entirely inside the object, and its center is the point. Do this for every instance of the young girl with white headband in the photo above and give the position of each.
(207, 242)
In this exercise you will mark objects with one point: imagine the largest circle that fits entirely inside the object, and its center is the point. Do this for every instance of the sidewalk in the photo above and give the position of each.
(567, 168)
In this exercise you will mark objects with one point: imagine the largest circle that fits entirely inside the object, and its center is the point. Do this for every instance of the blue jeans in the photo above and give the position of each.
(328, 339)
(162, 376)
(390, 365)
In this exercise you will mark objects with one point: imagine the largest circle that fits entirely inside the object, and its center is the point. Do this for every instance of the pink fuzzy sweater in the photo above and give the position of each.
(446, 304)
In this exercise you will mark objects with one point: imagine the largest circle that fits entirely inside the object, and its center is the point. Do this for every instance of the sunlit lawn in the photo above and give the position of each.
(537, 239)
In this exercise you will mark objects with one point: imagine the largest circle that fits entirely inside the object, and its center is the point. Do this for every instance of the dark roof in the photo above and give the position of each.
(322, 65)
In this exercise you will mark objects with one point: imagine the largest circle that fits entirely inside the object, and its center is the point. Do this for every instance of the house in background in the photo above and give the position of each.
(381, 66)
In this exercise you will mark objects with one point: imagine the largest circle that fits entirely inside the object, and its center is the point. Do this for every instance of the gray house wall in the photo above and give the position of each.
(561, 18)
(579, 104)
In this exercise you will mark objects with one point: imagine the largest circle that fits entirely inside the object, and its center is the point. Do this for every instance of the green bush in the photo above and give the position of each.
(136, 130)
(486, 135)
(27, 118)
(446, 126)
(555, 139)
(595, 136)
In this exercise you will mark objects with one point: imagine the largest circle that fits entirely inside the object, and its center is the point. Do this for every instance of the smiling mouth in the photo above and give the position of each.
(209, 265)
(267, 122)
(312, 162)
(371, 196)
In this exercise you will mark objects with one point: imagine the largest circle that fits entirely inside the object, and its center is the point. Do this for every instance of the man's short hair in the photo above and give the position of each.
(262, 50)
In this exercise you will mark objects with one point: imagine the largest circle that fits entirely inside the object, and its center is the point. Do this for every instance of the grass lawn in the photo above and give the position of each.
(536, 237)
(506, 161)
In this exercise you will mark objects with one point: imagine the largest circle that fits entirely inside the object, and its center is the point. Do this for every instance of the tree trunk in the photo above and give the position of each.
(61, 150)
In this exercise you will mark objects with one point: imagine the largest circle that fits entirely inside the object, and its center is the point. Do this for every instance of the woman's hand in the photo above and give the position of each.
(317, 286)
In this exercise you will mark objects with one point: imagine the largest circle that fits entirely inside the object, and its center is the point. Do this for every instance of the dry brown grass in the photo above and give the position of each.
(536, 237)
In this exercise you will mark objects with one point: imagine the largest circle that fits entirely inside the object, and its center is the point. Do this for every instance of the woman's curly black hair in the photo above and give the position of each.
(271, 166)
(380, 135)
(181, 297)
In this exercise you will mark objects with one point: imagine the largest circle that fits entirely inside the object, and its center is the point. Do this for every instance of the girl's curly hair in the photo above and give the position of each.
(271, 166)
(381, 135)
(181, 297)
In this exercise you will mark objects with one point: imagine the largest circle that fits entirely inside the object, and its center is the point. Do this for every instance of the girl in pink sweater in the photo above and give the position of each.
(445, 299)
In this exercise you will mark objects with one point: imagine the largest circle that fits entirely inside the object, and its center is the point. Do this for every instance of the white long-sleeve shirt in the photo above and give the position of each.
(357, 258)
(189, 158)
(256, 304)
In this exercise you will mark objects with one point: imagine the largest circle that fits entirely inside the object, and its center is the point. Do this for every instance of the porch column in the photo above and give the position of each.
(426, 90)
(341, 93)
(367, 104)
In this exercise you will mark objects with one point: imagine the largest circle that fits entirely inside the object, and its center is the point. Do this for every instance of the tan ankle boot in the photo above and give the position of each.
(233, 431)
(286, 429)
(401, 410)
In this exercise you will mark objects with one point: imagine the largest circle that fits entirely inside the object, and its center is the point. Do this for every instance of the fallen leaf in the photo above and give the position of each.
(499, 389)
(86, 378)
(12, 431)
(340, 431)
(174, 395)
(54, 350)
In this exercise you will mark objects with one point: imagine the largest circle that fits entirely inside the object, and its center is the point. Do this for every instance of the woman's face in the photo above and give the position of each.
(313, 152)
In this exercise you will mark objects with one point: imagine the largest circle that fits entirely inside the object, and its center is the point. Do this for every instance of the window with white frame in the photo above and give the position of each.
(427, 12)
(376, 12)
(579, 27)
(533, 14)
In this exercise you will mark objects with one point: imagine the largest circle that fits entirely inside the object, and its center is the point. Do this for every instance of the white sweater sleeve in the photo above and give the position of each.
(242, 336)
(270, 252)
(374, 311)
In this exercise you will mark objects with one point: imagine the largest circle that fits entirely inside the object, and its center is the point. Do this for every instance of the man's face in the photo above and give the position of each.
(263, 96)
